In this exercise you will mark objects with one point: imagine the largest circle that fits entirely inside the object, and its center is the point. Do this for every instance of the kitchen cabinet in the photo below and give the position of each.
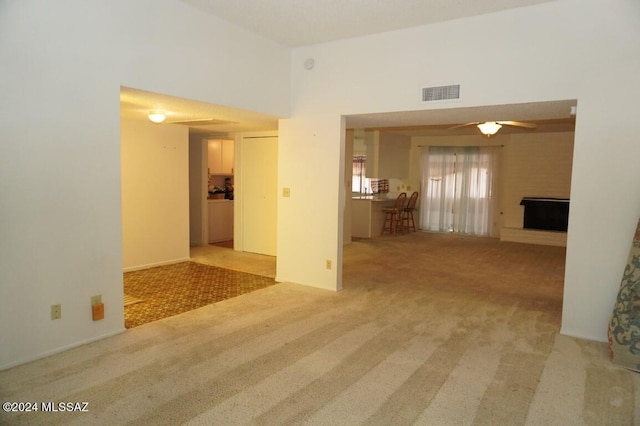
(220, 220)
(388, 155)
(220, 156)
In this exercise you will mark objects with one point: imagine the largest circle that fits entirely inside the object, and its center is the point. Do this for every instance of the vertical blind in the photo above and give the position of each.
(358, 180)
(458, 191)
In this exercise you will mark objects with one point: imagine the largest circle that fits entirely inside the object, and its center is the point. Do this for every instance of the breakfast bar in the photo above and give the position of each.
(367, 215)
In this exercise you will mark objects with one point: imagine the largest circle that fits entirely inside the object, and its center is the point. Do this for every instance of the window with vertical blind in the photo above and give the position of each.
(359, 181)
(363, 185)
(457, 189)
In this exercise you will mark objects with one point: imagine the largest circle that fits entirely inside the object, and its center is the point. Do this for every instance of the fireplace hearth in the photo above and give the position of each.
(548, 214)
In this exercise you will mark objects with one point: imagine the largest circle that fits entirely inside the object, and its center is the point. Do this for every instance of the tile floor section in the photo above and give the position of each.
(174, 289)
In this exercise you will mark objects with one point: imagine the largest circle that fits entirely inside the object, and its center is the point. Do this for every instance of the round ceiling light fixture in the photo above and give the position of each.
(489, 128)
(156, 116)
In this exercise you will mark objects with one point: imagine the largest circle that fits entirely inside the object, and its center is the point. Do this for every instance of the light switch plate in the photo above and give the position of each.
(286, 192)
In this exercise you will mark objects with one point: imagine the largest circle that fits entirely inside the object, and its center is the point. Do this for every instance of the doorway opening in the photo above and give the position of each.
(158, 174)
(534, 162)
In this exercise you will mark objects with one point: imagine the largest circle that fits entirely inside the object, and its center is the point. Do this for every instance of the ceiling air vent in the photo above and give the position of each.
(440, 93)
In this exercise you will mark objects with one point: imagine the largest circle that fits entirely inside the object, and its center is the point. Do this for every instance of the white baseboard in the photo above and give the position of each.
(153, 265)
(61, 349)
(570, 333)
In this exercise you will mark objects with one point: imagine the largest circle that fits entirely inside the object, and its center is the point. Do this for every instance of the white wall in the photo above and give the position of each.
(605, 194)
(60, 216)
(534, 166)
(587, 50)
(310, 232)
(155, 194)
(387, 155)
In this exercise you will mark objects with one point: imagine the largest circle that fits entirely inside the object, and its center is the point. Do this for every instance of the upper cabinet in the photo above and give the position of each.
(388, 155)
(220, 153)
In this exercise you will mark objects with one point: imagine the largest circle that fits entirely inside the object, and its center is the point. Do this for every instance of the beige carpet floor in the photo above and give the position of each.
(429, 330)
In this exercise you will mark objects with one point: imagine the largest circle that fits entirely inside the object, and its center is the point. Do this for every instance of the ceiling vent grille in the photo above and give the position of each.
(440, 93)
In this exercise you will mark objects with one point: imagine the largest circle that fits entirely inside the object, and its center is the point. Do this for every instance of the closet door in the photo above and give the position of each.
(259, 191)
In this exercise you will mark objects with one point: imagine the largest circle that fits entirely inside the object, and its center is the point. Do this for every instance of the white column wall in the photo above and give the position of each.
(568, 49)
(605, 197)
(310, 232)
(62, 67)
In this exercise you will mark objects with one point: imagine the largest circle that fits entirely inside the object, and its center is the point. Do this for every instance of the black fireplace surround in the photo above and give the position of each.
(549, 214)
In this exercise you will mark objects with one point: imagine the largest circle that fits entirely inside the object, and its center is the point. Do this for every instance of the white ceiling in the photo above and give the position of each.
(552, 116)
(136, 104)
(303, 22)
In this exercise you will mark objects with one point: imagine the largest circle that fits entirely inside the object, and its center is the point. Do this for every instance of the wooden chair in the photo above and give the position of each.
(406, 216)
(392, 214)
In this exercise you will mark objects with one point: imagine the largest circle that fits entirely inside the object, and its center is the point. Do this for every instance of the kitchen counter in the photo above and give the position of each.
(367, 216)
(391, 196)
(370, 198)
(220, 226)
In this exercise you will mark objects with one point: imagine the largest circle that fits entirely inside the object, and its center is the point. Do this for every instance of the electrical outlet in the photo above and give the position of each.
(328, 264)
(97, 311)
(56, 311)
(97, 308)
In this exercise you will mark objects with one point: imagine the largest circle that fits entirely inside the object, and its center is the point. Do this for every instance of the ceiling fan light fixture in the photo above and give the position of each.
(489, 128)
(156, 116)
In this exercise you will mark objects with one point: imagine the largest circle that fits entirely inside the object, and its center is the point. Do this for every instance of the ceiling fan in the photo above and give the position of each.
(490, 128)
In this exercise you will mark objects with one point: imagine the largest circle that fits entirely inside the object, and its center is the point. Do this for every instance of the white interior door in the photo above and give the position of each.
(259, 192)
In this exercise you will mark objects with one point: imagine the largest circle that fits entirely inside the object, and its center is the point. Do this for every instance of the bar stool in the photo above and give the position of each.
(406, 216)
(392, 214)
